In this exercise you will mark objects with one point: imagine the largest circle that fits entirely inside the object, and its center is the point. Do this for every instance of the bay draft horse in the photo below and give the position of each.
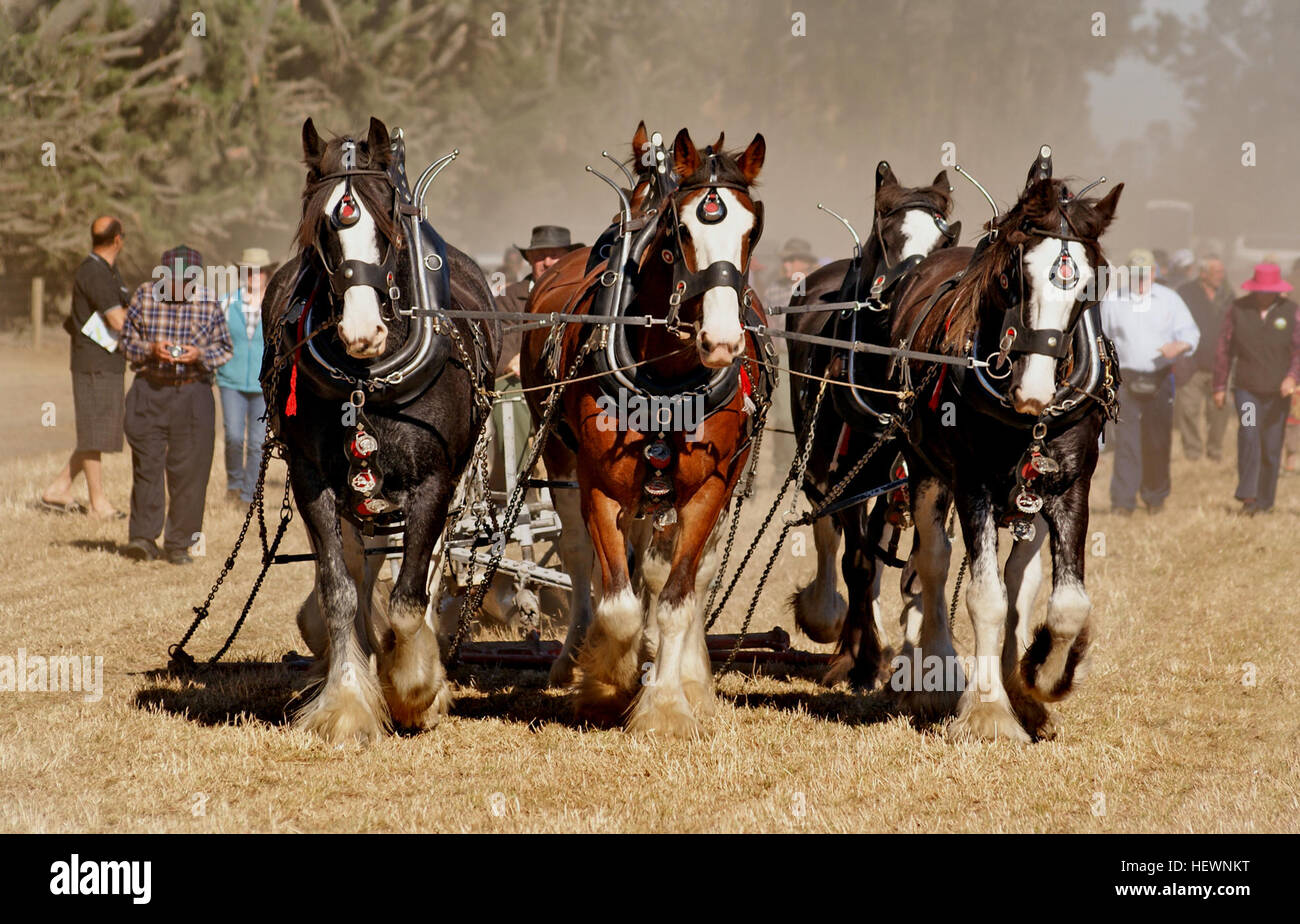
(697, 244)
(1016, 445)
(402, 452)
(908, 223)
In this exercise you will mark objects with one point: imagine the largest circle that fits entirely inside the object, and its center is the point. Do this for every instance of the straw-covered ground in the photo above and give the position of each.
(1186, 721)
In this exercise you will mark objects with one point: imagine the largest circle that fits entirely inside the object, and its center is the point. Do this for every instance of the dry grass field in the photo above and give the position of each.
(1162, 734)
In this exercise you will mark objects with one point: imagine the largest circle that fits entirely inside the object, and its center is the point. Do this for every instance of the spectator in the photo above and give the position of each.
(1208, 299)
(1182, 264)
(797, 262)
(1161, 265)
(1151, 327)
(547, 245)
(174, 340)
(1262, 333)
(242, 403)
(98, 371)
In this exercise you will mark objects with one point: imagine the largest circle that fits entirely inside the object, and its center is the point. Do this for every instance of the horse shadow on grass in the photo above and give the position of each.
(236, 692)
(228, 693)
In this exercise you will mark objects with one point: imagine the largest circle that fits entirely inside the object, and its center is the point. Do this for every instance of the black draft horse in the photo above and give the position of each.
(379, 412)
(908, 223)
(1013, 445)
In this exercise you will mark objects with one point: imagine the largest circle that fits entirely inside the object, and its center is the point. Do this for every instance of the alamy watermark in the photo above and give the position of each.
(917, 673)
(630, 412)
(32, 673)
(180, 282)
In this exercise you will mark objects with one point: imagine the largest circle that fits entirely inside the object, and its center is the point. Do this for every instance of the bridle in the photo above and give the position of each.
(1016, 335)
(721, 274)
(381, 276)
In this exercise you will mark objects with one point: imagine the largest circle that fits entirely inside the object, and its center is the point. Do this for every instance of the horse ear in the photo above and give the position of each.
(1105, 208)
(640, 146)
(378, 143)
(752, 160)
(954, 235)
(885, 175)
(686, 159)
(313, 148)
(941, 181)
(717, 145)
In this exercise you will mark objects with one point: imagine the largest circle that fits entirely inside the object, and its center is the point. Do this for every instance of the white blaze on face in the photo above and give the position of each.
(1048, 307)
(920, 233)
(721, 337)
(361, 327)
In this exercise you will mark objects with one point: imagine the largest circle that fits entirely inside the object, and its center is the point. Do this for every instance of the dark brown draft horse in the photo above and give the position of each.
(657, 434)
(1014, 445)
(908, 223)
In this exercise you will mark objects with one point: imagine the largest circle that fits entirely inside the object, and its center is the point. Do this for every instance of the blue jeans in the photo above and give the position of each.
(240, 411)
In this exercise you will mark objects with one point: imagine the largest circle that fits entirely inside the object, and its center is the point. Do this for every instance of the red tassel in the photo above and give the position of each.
(291, 403)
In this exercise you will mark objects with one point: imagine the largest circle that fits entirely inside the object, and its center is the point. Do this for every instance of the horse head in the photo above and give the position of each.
(912, 220)
(350, 221)
(1050, 239)
(715, 225)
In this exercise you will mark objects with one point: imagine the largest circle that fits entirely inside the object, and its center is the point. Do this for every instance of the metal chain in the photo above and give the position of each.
(474, 598)
(952, 608)
(895, 423)
(745, 491)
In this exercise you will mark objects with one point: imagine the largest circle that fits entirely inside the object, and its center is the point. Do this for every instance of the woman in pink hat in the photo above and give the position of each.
(1262, 333)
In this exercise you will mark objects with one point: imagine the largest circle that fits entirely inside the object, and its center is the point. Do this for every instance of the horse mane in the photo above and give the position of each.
(1039, 208)
(375, 193)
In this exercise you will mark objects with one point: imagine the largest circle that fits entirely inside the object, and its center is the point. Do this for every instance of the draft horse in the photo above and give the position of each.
(377, 404)
(648, 485)
(908, 224)
(1013, 445)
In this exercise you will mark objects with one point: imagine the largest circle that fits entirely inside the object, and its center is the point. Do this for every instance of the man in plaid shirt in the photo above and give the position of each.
(175, 336)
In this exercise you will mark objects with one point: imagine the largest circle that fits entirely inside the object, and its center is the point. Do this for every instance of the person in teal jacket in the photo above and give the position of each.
(242, 404)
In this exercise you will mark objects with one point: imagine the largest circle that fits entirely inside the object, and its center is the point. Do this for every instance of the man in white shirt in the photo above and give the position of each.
(1151, 327)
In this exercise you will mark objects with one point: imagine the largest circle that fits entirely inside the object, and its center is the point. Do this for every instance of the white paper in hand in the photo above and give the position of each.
(101, 333)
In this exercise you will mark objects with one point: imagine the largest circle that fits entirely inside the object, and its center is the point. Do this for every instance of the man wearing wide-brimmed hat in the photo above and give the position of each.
(175, 337)
(546, 246)
(1262, 334)
(242, 403)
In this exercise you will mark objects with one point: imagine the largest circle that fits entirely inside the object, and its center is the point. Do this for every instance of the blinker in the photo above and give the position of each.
(346, 213)
(1064, 274)
(711, 209)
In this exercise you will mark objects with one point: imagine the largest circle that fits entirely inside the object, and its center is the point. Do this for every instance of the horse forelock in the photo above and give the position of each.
(375, 193)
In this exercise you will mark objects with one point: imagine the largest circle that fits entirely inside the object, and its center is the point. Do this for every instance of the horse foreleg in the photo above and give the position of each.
(410, 669)
(607, 661)
(1049, 664)
(819, 610)
(1023, 574)
(682, 675)
(348, 705)
(984, 711)
(859, 655)
(923, 690)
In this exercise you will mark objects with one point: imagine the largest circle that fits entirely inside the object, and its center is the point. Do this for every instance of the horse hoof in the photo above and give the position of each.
(663, 715)
(700, 696)
(562, 673)
(927, 704)
(990, 721)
